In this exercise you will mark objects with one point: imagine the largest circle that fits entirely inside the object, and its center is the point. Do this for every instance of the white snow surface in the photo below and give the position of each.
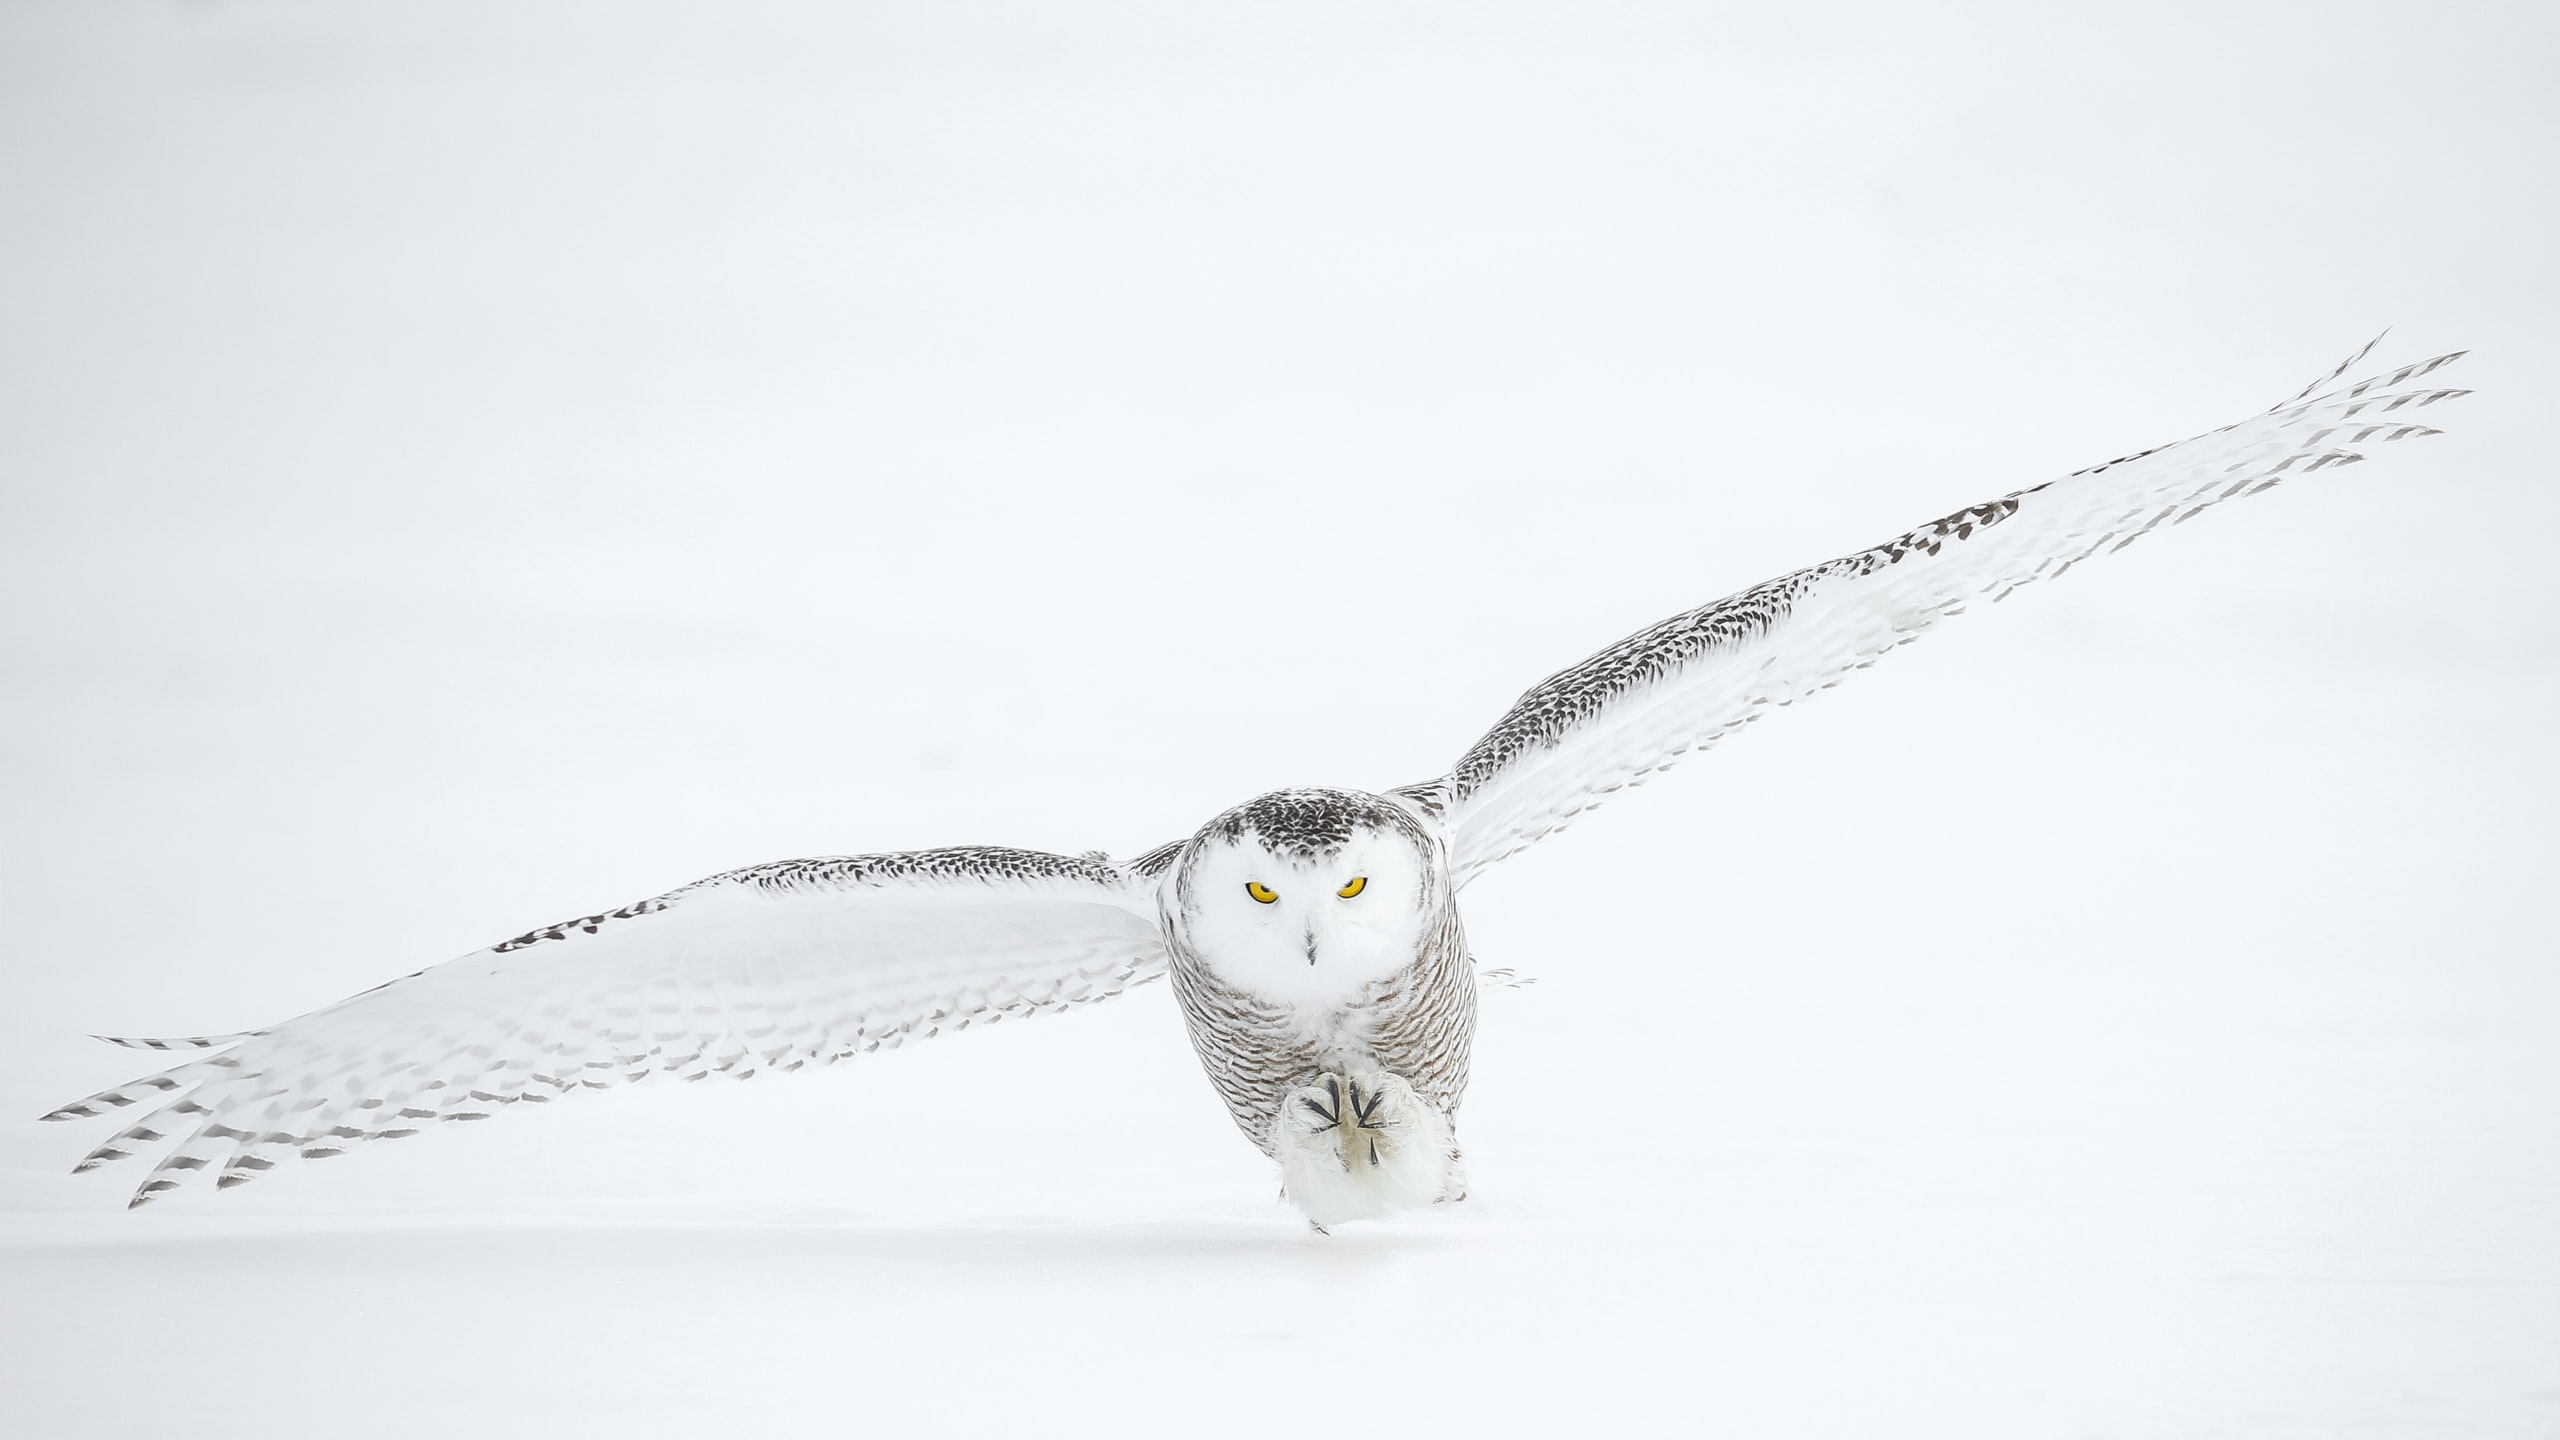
(465, 466)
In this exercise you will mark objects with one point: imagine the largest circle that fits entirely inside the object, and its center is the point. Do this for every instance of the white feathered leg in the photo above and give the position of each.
(1361, 1145)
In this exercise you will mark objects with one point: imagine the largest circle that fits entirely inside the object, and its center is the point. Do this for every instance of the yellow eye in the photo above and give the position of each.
(1358, 884)
(1260, 891)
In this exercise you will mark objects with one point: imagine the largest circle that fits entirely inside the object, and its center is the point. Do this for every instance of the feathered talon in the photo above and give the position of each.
(1361, 1120)
(1360, 1144)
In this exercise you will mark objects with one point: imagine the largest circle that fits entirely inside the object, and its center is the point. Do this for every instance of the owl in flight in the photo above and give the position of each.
(1312, 935)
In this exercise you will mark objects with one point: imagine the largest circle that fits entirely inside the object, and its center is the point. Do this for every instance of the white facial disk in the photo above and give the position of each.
(1270, 917)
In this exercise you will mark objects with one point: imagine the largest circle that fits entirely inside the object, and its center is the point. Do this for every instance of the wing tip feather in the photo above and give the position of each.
(176, 1042)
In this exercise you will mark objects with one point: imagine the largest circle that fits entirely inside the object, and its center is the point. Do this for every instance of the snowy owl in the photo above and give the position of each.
(1312, 935)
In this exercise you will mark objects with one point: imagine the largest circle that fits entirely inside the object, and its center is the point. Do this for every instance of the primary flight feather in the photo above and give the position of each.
(1313, 935)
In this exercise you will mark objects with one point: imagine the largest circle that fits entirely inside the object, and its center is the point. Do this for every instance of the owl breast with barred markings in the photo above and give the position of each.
(1313, 934)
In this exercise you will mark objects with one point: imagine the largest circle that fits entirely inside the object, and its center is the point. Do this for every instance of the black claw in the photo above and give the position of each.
(1321, 1113)
(1370, 1106)
(1373, 1154)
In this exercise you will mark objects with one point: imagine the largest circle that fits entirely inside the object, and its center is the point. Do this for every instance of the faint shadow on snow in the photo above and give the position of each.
(816, 1236)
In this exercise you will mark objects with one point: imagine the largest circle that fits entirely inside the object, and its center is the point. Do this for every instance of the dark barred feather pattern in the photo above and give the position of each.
(1418, 1023)
(1636, 708)
(766, 969)
(176, 1042)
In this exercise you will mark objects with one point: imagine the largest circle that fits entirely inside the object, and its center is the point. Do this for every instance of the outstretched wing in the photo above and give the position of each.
(769, 968)
(1635, 708)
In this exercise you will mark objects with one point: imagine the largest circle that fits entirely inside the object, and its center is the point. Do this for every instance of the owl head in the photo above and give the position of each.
(1308, 895)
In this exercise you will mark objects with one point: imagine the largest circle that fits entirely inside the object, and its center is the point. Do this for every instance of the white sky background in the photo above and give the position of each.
(467, 465)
